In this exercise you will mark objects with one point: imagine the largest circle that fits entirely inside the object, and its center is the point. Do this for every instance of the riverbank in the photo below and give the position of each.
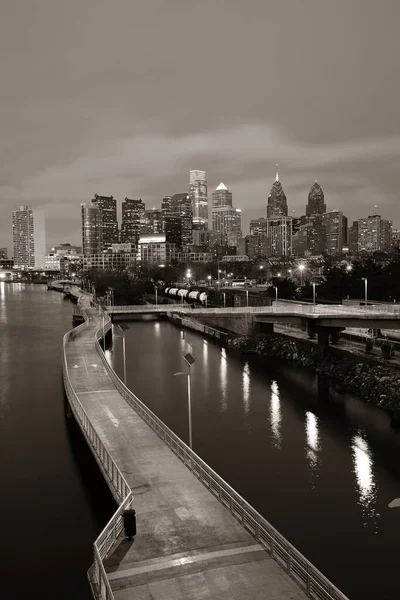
(374, 381)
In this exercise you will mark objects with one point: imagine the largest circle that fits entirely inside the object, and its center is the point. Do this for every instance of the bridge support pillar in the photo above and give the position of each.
(311, 329)
(323, 337)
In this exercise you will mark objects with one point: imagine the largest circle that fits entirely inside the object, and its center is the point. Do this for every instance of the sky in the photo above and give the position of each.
(124, 97)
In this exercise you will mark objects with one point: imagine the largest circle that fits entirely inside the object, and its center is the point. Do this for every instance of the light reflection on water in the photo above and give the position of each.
(313, 440)
(224, 379)
(246, 388)
(275, 416)
(365, 481)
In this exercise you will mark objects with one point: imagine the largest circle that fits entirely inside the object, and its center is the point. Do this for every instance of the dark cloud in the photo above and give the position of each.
(125, 97)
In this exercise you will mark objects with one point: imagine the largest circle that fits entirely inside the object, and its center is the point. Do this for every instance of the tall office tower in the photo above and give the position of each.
(152, 222)
(336, 231)
(29, 238)
(92, 241)
(352, 234)
(198, 197)
(316, 205)
(316, 235)
(277, 203)
(108, 219)
(173, 230)
(166, 208)
(279, 236)
(132, 216)
(374, 233)
(222, 196)
(180, 205)
(257, 246)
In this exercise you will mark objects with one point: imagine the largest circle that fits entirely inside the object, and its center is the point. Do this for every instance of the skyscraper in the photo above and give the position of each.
(132, 217)
(222, 196)
(277, 203)
(374, 233)
(226, 219)
(316, 198)
(152, 222)
(352, 234)
(180, 205)
(108, 219)
(29, 238)
(279, 236)
(91, 229)
(198, 197)
(336, 231)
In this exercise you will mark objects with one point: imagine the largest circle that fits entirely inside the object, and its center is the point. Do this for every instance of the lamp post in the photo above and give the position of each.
(276, 293)
(224, 295)
(209, 277)
(219, 273)
(301, 269)
(313, 291)
(247, 297)
(155, 288)
(365, 280)
(123, 327)
(188, 358)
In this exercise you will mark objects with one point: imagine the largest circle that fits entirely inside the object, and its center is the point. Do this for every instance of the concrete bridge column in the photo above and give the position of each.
(263, 327)
(323, 337)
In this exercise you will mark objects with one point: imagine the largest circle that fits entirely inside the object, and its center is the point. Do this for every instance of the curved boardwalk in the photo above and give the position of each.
(188, 545)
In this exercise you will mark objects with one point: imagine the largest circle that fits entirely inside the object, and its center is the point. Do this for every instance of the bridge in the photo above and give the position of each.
(318, 319)
(197, 538)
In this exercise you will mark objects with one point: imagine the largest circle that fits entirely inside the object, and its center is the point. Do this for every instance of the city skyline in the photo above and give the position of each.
(330, 114)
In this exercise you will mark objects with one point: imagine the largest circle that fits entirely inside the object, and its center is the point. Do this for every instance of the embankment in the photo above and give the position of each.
(376, 382)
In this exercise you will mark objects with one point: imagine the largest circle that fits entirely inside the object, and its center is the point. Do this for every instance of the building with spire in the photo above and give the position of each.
(222, 196)
(199, 199)
(277, 203)
(316, 204)
(278, 223)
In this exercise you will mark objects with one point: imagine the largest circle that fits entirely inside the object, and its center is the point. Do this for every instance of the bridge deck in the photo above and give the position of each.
(188, 546)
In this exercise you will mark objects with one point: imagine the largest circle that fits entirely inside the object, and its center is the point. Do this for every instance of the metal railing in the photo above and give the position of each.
(122, 493)
(300, 309)
(308, 577)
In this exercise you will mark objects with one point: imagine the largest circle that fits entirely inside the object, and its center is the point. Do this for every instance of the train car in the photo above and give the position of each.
(203, 297)
(173, 291)
(183, 292)
(194, 295)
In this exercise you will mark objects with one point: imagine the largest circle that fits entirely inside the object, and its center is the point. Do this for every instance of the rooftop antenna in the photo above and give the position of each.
(277, 174)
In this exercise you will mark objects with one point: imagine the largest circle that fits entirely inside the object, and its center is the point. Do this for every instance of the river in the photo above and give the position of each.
(321, 467)
(53, 501)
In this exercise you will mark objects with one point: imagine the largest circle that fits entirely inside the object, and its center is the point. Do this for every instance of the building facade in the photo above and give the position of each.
(279, 236)
(155, 249)
(92, 241)
(132, 217)
(221, 197)
(335, 231)
(199, 198)
(374, 233)
(108, 219)
(29, 238)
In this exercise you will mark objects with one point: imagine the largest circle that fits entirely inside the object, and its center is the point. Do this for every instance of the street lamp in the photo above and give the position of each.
(313, 291)
(301, 269)
(155, 288)
(123, 327)
(365, 280)
(261, 274)
(247, 297)
(188, 358)
(224, 295)
(276, 293)
(209, 277)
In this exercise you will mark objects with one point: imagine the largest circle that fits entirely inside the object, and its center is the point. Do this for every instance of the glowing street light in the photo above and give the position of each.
(301, 269)
(276, 293)
(123, 327)
(224, 295)
(349, 268)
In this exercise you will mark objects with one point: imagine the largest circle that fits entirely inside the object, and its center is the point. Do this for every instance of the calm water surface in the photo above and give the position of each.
(320, 467)
(53, 500)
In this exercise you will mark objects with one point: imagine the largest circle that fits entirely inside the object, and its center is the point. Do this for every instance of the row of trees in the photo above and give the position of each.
(336, 280)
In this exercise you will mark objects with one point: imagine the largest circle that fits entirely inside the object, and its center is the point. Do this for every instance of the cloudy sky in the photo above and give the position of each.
(123, 97)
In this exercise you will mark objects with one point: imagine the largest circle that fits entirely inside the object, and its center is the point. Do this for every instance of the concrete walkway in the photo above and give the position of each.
(188, 546)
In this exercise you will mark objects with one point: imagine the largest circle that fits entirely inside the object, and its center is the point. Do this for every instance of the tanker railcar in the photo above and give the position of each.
(185, 295)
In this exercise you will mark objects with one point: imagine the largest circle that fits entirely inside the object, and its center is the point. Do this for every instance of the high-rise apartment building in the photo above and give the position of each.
(221, 197)
(92, 240)
(277, 203)
(316, 204)
(132, 218)
(29, 238)
(336, 231)
(108, 219)
(374, 233)
(199, 198)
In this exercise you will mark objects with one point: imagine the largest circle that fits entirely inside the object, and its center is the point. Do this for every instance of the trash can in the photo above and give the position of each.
(129, 517)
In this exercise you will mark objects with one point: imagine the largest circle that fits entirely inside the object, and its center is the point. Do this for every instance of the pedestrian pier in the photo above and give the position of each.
(196, 537)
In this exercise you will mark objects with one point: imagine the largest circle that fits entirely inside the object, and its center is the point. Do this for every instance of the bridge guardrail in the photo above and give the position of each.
(308, 577)
(97, 575)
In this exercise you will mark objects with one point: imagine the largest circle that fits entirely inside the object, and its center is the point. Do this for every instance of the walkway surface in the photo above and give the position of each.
(188, 546)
